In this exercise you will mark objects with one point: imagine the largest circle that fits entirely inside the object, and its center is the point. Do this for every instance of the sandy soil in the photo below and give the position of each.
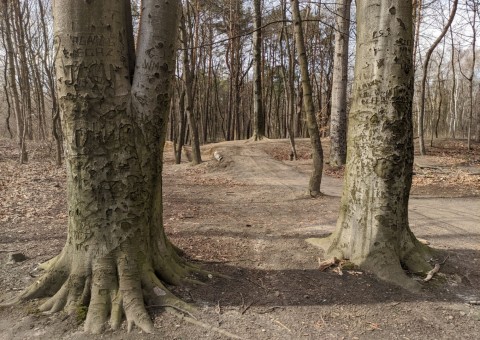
(248, 217)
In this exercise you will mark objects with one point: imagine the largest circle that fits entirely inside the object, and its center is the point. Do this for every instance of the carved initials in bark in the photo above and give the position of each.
(116, 251)
(372, 229)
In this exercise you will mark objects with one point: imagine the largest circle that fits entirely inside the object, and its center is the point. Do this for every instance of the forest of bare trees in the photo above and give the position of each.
(103, 85)
(216, 69)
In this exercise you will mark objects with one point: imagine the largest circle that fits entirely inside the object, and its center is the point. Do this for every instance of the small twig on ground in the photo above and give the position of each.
(432, 272)
(259, 285)
(435, 269)
(203, 324)
(374, 326)
(321, 317)
(243, 300)
(428, 167)
(247, 307)
(271, 309)
(281, 324)
(474, 303)
(445, 260)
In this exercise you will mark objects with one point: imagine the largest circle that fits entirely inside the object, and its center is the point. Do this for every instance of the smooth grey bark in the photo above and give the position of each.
(258, 113)
(421, 113)
(317, 151)
(372, 229)
(338, 118)
(114, 126)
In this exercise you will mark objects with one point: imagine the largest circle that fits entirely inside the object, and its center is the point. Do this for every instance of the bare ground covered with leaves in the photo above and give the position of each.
(248, 217)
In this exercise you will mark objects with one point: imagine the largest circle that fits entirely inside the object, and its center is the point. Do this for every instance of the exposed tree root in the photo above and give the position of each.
(113, 286)
(314, 194)
(387, 261)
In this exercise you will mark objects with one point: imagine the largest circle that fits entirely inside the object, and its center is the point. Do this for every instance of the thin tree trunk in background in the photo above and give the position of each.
(56, 122)
(5, 84)
(317, 151)
(288, 81)
(289, 89)
(453, 101)
(182, 127)
(38, 90)
(417, 16)
(470, 76)
(439, 107)
(24, 74)
(258, 112)
(338, 123)
(13, 84)
(36, 78)
(438, 100)
(188, 74)
(421, 113)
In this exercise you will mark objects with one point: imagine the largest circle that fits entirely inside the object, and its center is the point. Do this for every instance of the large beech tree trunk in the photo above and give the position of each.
(114, 117)
(372, 229)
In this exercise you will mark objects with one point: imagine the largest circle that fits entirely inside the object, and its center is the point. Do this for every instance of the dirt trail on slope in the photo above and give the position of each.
(248, 217)
(251, 162)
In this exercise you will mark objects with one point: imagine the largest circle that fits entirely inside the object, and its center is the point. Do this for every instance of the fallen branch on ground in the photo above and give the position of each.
(423, 241)
(432, 272)
(201, 324)
(327, 263)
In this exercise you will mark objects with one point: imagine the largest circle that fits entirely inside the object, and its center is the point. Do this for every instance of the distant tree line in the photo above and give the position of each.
(215, 97)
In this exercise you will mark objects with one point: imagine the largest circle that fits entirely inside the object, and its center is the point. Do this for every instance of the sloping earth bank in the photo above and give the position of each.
(247, 217)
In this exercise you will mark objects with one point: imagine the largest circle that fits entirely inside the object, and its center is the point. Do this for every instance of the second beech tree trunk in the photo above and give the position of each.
(372, 229)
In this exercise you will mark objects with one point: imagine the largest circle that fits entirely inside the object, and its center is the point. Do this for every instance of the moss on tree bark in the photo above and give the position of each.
(372, 229)
(114, 115)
